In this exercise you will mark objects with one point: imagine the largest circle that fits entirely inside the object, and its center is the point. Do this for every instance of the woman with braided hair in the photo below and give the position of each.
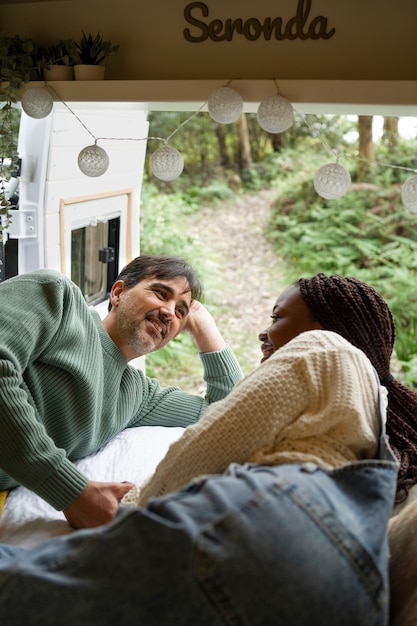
(356, 311)
(271, 510)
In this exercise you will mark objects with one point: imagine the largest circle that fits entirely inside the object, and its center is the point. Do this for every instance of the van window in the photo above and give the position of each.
(94, 253)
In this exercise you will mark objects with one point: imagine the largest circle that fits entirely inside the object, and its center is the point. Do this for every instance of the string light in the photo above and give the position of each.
(409, 194)
(275, 114)
(37, 102)
(225, 105)
(332, 181)
(93, 161)
(166, 163)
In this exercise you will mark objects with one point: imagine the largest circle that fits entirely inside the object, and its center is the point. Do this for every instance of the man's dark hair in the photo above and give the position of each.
(355, 310)
(162, 268)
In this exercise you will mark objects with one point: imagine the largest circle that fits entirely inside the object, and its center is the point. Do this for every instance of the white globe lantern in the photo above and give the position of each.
(37, 102)
(332, 181)
(225, 105)
(409, 194)
(166, 163)
(93, 161)
(275, 114)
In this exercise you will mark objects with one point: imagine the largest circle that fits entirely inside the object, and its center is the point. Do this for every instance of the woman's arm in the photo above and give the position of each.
(318, 386)
(232, 429)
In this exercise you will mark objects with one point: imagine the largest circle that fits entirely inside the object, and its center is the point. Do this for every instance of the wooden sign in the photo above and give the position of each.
(303, 25)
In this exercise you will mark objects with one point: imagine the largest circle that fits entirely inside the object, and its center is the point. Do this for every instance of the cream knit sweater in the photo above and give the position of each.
(315, 399)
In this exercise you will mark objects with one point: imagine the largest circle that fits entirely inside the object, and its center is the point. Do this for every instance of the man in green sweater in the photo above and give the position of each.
(66, 386)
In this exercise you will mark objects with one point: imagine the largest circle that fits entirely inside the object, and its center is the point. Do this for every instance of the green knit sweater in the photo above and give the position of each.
(66, 389)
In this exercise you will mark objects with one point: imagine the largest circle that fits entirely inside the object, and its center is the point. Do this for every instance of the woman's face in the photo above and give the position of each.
(290, 317)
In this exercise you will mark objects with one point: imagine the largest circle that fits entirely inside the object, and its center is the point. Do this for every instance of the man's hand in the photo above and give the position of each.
(202, 327)
(96, 505)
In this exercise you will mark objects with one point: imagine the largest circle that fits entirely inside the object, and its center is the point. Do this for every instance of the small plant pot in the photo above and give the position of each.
(89, 72)
(58, 72)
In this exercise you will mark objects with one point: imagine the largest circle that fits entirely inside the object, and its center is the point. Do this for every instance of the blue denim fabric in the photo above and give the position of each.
(291, 545)
(258, 546)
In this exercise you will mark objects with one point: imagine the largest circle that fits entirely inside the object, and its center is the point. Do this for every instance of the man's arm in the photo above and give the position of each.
(31, 309)
(169, 406)
(98, 503)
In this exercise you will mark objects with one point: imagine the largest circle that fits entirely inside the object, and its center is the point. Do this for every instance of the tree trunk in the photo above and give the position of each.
(366, 146)
(246, 161)
(390, 132)
(221, 137)
(278, 141)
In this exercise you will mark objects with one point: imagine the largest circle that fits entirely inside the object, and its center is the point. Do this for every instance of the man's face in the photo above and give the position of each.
(149, 314)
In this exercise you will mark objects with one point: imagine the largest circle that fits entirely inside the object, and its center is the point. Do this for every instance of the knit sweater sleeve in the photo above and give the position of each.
(304, 385)
(169, 406)
(31, 311)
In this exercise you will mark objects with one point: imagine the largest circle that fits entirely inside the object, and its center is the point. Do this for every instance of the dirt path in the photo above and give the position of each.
(244, 274)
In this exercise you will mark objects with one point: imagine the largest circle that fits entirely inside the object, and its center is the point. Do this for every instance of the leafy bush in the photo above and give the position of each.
(215, 190)
(367, 233)
(162, 223)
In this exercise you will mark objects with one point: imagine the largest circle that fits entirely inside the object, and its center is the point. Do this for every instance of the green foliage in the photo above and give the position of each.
(200, 157)
(162, 232)
(16, 61)
(62, 53)
(93, 50)
(176, 364)
(215, 190)
(162, 218)
(9, 130)
(17, 65)
(367, 233)
(320, 132)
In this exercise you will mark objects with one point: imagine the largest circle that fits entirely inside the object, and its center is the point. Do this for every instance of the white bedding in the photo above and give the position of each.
(133, 455)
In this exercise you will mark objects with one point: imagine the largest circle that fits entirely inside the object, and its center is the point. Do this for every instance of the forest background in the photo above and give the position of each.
(368, 233)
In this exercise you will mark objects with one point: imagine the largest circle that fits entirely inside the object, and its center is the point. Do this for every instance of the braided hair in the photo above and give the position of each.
(356, 311)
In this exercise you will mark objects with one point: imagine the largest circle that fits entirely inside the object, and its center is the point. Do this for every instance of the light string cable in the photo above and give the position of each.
(166, 140)
(337, 154)
(349, 157)
(96, 139)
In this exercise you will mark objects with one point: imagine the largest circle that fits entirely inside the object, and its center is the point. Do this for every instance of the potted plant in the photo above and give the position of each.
(17, 66)
(57, 60)
(91, 52)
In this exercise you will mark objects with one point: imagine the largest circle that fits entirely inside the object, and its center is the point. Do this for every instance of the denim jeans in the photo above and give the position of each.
(257, 546)
(290, 545)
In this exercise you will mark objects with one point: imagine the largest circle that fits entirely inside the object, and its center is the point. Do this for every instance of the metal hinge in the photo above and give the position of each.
(23, 224)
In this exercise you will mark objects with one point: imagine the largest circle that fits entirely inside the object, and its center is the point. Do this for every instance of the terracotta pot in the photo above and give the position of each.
(58, 72)
(89, 72)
